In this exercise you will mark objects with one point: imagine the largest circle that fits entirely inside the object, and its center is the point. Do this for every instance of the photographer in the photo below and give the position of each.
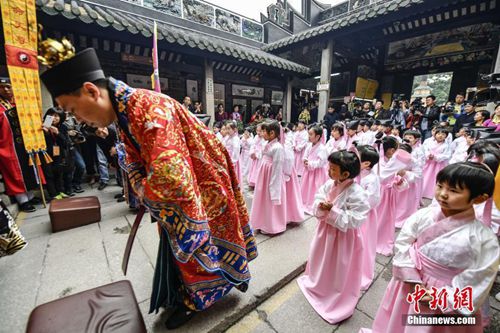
(73, 177)
(398, 112)
(428, 115)
(467, 117)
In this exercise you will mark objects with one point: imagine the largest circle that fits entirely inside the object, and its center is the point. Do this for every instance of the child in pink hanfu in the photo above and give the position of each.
(300, 140)
(437, 155)
(332, 280)
(370, 182)
(409, 199)
(269, 205)
(315, 173)
(255, 156)
(295, 208)
(337, 139)
(392, 161)
(443, 247)
(232, 144)
(246, 143)
(352, 134)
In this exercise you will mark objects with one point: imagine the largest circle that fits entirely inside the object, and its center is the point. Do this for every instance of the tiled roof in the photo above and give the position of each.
(376, 10)
(136, 24)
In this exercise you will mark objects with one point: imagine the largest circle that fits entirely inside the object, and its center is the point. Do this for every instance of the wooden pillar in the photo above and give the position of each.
(324, 83)
(208, 91)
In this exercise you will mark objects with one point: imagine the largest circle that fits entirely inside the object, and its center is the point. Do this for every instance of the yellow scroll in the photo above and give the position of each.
(20, 32)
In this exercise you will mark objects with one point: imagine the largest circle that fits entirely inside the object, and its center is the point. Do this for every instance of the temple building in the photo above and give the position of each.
(333, 53)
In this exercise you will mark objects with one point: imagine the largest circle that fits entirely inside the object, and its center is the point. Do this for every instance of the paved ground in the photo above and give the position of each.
(60, 264)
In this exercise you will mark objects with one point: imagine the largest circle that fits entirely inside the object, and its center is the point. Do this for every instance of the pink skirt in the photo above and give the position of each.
(299, 162)
(385, 224)
(369, 232)
(431, 169)
(265, 216)
(253, 171)
(312, 180)
(332, 280)
(394, 306)
(295, 209)
(408, 202)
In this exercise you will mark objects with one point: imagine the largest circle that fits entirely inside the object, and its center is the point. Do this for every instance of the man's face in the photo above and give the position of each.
(378, 106)
(459, 99)
(330, 110)
(469, 108)
(366, 106)
(429, 101)
(91, 106)
(6, 91)
(187, 101)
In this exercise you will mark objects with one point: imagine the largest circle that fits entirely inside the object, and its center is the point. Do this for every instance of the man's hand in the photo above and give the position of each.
(112, 151)
(306, 163)
(431, 157)
(72, 132)
(402, 173)
(326, 206)
(54, 130)
(102, 132)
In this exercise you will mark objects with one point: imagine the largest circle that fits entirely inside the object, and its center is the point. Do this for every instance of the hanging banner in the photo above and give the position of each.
(20, 32)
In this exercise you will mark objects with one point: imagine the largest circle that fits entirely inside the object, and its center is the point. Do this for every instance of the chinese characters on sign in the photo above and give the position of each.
(462, 298)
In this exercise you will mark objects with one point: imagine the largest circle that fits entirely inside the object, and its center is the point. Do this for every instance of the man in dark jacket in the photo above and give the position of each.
(467, 117)
(430, 115)
(380, 112)
(330, 118)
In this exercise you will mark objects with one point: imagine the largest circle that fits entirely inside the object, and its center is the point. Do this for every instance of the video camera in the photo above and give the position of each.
(418, 105)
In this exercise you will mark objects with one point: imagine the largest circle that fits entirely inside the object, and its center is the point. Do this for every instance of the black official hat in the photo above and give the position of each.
(470, 102)
(377, 122)
(4, 80)
(70, 74)
(488, 135)
(386, 123)
(353, 125)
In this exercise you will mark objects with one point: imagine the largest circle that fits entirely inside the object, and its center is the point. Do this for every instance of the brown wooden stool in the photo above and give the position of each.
(74, 212)
(109, 308)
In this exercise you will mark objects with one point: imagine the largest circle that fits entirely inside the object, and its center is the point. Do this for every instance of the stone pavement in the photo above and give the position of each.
(64, 263)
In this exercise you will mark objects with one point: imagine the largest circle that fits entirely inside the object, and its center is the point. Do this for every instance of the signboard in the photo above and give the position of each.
(323, 86)
(144, 81)
(248, 91)
(137, 59)
(210, 86)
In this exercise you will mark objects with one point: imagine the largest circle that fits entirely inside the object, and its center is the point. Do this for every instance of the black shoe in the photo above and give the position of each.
(180, 316)
(27, 207)
(120, 199)
(70, 194)
(102, 186)
(36, 201)
(78, 189)
(118, 196)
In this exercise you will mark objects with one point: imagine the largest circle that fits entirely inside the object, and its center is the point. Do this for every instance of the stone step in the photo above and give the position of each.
(281, 259)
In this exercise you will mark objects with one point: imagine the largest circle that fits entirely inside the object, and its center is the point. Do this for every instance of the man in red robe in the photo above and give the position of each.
(17, 174)
(184, 176)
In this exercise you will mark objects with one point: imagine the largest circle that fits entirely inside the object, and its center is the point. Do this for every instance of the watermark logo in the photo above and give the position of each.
(438, 298)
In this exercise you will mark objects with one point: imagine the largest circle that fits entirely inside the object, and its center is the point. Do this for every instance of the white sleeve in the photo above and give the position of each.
(403, 265)
(482, 274)
(444, 155)
(372, 189)
(277, 174)
(350, 212)
(307, 151)
(234, 149)
(321, 161)
(321, 196)
(302, 142)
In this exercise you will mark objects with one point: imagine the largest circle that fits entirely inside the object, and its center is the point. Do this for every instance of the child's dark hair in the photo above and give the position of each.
(272, 126)
(389, 142)
(347, 161)
(338, 127)
(415, 134)
(231, 123)
(487, 151)
(218, 125)
(368, 154)
(406, 147)
(317, 130)
(468, 175)
(440, 129)
(301, 122)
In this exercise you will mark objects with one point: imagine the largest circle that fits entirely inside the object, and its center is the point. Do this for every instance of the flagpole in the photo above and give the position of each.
(155, 78)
